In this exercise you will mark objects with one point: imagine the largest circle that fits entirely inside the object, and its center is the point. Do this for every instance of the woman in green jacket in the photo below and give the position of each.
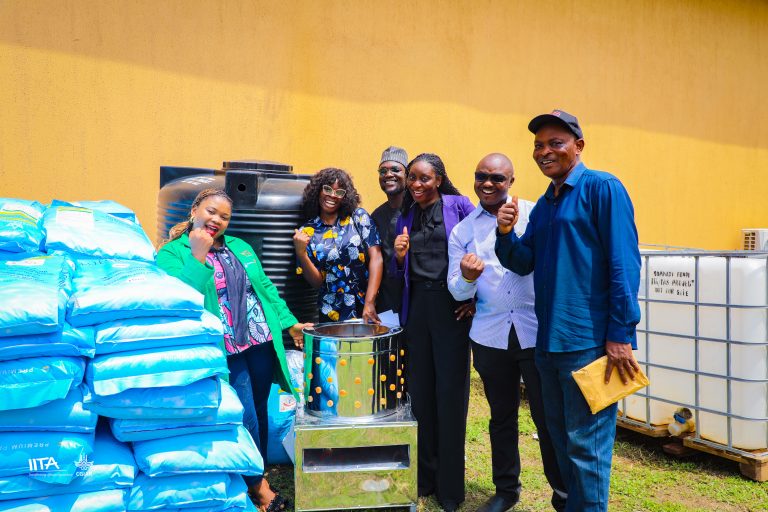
(227, 272)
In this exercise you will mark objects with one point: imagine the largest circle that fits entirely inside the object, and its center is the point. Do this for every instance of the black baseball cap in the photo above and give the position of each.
(560, 117)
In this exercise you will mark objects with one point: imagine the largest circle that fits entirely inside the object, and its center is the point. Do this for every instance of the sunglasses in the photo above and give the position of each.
(385, 170)
(482, 177)
(339, 192)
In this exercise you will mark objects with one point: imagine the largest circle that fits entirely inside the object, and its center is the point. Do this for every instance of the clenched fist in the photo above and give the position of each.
(200, 241)
(507, 216)
(471, 266)
(300, 242)
(402, 243)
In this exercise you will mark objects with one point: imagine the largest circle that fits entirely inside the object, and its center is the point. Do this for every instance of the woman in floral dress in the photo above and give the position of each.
(338, 249)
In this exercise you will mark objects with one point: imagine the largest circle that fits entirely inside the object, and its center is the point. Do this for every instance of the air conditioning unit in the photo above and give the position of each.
(755, 239)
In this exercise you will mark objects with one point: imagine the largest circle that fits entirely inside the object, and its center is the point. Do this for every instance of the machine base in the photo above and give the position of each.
(348, 466)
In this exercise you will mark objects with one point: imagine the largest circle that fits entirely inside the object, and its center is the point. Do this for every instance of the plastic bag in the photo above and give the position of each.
(35, 292)
(65, 415)
(281, 409)
(19, 229)
(230, 451)
(34, 381)
(70, 341)
(106, 206)
(153, 332)
(228, 416)
(106, 290)
(110, 466)
(100, 501)
(210, 491)
(51, 457)
(110, 374)
(94, 234)
(195, 400)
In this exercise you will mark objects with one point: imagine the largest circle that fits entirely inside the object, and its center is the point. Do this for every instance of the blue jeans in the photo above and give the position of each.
(583, 441)
(250, 373)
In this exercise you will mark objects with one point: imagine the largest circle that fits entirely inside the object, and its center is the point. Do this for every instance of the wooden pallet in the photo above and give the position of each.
(753, 466)
(651, 431)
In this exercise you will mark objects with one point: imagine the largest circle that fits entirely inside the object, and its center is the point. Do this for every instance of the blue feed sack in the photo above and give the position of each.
(50, 457)
(110, 466)
(35, 293)
(65, 415)
(209, 491)
(34, 381)
(227, 417)
(110, 374)
(152, 332)
(230, 451)
(99, 501)
(69, 341)
(236, 499)
(106, 206)
(198, 399)
(281, 412)
(295, 362)
(19, 225)
(106, 290)
(94, 234)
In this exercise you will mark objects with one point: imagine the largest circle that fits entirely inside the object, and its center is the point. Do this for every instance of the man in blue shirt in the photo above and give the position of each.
(581, 243)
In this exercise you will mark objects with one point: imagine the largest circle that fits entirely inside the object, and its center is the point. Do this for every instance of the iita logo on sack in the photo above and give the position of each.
(41, 464)
(83, 466)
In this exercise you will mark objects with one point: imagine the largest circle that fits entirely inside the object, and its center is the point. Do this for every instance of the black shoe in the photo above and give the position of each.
(497, 503)
(449, 506)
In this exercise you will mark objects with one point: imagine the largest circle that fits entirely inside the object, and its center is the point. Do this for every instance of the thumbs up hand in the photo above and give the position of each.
(402, 243)
(507, 216)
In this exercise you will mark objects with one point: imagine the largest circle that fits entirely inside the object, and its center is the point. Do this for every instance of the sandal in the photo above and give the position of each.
(278, 504)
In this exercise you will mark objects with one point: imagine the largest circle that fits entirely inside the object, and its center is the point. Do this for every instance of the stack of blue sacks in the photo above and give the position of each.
(52, 456)
(157, 371)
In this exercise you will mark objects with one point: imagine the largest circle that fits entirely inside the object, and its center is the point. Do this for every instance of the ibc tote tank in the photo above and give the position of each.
(703, 342)
(266, 208)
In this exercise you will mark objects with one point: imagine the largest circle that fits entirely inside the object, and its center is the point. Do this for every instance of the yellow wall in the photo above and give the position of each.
(95, 95)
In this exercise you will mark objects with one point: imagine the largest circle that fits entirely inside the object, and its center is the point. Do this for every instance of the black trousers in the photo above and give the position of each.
(500, 371)
(438, 382)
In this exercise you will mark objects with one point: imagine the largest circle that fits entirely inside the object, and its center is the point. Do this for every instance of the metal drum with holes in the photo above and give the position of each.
(266, 209)
(353, 371)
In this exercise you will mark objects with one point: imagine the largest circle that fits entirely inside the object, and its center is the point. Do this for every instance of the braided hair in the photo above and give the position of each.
(186, 226)
(310, 202)
(446, 188)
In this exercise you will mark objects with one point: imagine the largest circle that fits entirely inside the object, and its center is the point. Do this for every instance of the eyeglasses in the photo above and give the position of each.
(339, 192)
(482, 177)
(385, 170)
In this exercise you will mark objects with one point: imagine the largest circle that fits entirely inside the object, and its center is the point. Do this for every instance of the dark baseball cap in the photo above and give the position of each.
(560, 117)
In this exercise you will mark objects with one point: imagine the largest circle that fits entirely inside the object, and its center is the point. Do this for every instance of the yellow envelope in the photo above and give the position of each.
(591, 381)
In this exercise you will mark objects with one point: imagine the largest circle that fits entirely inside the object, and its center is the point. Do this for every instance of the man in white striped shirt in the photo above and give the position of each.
(503, 332)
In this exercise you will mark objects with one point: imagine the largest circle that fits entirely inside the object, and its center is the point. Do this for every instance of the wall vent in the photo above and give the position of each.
(755, 239)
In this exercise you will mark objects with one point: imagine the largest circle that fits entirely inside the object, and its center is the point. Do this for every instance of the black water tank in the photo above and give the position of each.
(266, 209)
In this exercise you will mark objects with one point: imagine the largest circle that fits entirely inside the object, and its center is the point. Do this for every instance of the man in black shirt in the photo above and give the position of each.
(394, 160)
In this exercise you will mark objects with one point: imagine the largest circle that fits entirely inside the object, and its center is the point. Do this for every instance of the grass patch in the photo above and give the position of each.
(644, 478)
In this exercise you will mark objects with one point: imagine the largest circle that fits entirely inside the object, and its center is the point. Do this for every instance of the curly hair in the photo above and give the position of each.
(446, 188)
(310, 203)
(185, 226)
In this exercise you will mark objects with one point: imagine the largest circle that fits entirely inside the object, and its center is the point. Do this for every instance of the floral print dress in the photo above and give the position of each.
(258, 330)
(340, 253)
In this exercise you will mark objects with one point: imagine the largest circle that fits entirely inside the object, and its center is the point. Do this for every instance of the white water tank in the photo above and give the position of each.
(730, 291)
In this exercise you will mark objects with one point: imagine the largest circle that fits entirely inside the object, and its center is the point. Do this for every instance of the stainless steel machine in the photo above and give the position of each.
(355, 438)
